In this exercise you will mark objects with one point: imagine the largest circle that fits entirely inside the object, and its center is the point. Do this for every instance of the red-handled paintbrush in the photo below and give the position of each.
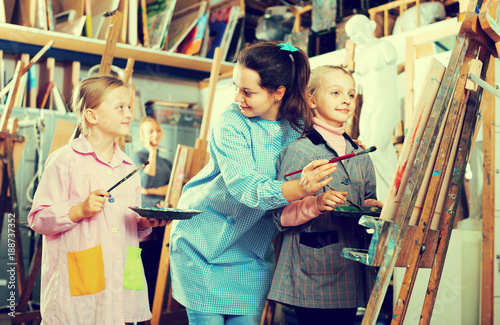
(354, 154)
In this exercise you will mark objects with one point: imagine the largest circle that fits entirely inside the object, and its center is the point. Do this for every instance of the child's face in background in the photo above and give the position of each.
(252, 98)
(114, 115)
(151, 133)
(334, 102)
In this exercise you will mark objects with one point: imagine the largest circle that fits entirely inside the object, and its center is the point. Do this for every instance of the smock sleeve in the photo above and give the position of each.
(246, 153)
(49, 214)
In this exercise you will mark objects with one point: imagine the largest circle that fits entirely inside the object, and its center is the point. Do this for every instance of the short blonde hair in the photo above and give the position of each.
(90, 93)
(146, 119)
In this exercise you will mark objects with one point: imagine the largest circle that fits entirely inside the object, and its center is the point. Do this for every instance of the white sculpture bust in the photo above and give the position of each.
(376, 72)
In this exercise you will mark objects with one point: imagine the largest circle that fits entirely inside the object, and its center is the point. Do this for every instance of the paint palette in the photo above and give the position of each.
(164, 213)
(353, 212)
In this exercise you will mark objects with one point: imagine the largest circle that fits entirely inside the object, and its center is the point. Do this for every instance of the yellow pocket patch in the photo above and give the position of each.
(86, 271)
(133, 275)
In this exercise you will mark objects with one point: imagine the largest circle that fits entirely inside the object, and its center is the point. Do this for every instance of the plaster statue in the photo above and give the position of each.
(376, 73)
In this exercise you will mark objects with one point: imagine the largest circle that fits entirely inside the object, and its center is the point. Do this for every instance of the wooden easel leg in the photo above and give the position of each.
(11, 176)
(488, 268)
(36, 260)
(111, 39)
(268, 314)
(161, 281)
(3, 192)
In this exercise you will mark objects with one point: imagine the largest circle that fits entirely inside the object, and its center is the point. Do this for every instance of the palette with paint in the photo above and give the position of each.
(354, 212)
(164, 213)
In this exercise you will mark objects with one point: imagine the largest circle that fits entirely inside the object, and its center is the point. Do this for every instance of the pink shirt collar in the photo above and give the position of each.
(83, 146)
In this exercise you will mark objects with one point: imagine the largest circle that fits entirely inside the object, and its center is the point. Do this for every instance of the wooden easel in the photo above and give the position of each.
(11, 147)
(187, 162)
(455, 107)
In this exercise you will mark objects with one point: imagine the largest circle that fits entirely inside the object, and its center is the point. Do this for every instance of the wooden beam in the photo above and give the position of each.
(212, 85)
(35, 59)
(94, 46)
(129, 69)
(4, 120)
(111, 40)
(488, 242)
(71, 76)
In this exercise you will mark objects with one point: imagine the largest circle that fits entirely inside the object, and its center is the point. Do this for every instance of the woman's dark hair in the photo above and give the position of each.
(277, 67)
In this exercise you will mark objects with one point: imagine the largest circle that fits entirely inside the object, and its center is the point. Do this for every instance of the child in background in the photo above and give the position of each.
(221, 259)
(311, 275)
(91, 266)
(156, 174)
(154, 184)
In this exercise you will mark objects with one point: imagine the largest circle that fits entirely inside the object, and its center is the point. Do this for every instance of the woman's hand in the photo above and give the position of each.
(373, 203)
(144, 223)
(328, 200)
(313, 176)
(311, 180)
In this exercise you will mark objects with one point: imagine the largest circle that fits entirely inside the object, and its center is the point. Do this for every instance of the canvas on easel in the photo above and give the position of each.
(50, 15)
(133, 18)
(183, 21)
(123, 7)
(3, 18)
(74, 27)
(41, 15)
(142, 24)
(159, 15)
(45, 80)
(237, 42)
(98, 9)
(191, 44)
(221, 24)
(9, 10)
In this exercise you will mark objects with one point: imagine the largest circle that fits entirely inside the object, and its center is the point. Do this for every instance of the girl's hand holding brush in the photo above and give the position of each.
(92, 204)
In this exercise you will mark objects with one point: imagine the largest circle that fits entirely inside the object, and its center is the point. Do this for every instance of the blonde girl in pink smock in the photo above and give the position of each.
(91, 262)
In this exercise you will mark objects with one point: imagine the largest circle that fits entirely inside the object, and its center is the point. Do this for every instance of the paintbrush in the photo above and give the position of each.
(128, 176)
(354, 154)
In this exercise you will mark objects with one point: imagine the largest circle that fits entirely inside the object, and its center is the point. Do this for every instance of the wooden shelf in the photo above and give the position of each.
(19, 39)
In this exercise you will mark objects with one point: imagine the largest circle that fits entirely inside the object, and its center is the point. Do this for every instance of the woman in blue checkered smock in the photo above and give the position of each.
(222, 260)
